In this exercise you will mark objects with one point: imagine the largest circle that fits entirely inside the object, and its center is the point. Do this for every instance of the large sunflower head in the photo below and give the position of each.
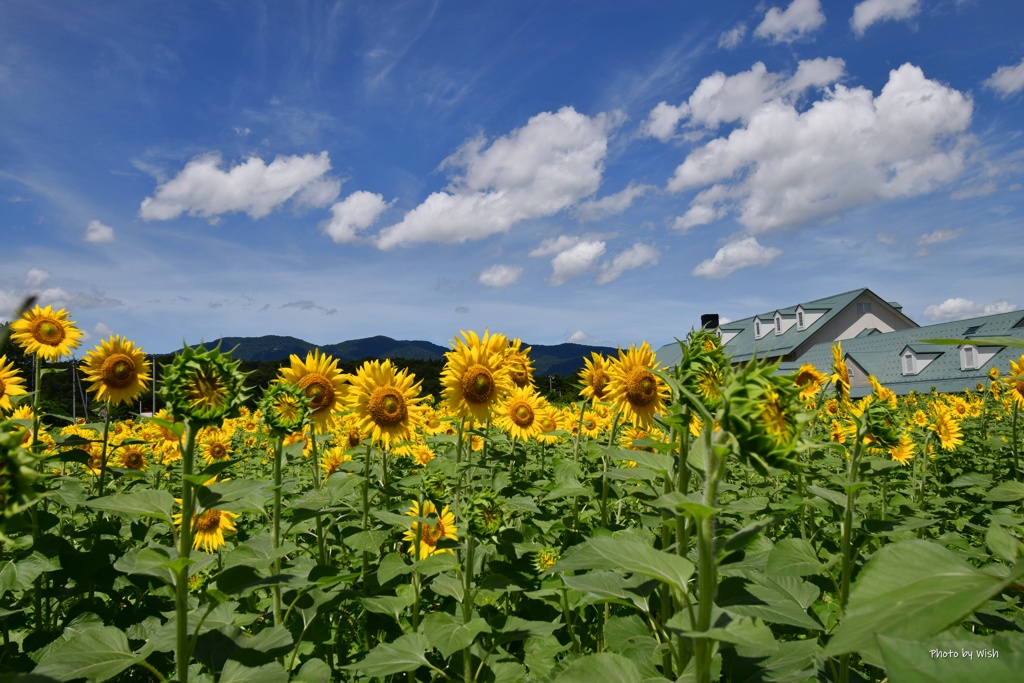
(209, 528)
(519, 363)
(47, 333)
(203, 386)
(809, 380)
(519, 413)
(946, 427)
(323, 383)
(385, 401)
(284, 408)
(594, 377)
(476, 377)
(1015, 381)
(118, 371)
(635, 390)
(11, 384)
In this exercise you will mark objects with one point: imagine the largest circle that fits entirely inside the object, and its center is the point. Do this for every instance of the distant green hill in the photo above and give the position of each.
(559, 359)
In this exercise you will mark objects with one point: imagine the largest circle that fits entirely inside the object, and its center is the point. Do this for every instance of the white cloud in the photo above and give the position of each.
(35, 277)
(575, 261)
(204, 188)
(554, 245)
(98, 233)
(742, 253)
(873, 11)
(719, 99)
(733, 37)
(500, 276)
(938, 236)
(636, 256)
(548, 165)
(958, 309)
(1007, 80)
(102, 330)
(612, 204)
(352, 215)
(581, 337)
(697, 214)
(787, 167)
(799, 19)
(62, 298)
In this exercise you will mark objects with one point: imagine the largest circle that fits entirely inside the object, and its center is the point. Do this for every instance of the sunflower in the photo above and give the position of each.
(385, 401)
(519, 363)
(323, 383)
(433, 422)
(1015, 381)
(209, 528)
(594, 377)
(118, 371)
(634, 388)
(11, 384)
(903, 451)
(427, 535)
(545, 559)
(332, 460)
(882, 393)
(946, 428)
(809, 380)
(422, 454)
(919, 418)
(547, 419)
(475, 376)
(707, 379)
(48, 334)
(840, 373)
(133, 457)
(203, 385)
(283, 408)
(216, 445)
(517, 414)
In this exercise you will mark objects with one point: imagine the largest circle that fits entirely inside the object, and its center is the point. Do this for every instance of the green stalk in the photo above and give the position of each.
(183, 653)
(321, 546)
(103, 457)
(366, 508)
(467, 607)
(714, 470)
(1014, 443)
(275, 534)
(846, 544)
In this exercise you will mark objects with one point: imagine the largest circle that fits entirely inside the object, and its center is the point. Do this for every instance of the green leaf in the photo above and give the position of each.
(96, 654)
(236, 495)
(235, 672)
(779, 600)
(404, 654)
(148, 503)
(793, 557)
(605, 586)
(1013, 342)
(449, 635)
(392, 605)
(624, 554)
(1003, 544)
(993, 659)
(313, 671)
(1007, 492)
(391, 566)
(605, 666)
(836, 498)
(152, 561)
(912, 590)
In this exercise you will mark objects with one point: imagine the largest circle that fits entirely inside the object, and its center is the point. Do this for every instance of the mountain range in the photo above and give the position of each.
(559, 359)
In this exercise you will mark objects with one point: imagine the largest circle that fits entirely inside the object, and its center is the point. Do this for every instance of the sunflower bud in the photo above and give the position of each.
(203, 386)
(17, 473)
(285, 408)
(484, 514)
(762, 413)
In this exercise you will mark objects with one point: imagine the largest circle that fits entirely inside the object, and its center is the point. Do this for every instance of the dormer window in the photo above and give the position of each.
(908, 364)
(778, 324)
(757, 329)
(968, 358)
(799, 320)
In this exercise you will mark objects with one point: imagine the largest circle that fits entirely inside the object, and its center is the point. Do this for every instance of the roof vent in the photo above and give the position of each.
(709, 321)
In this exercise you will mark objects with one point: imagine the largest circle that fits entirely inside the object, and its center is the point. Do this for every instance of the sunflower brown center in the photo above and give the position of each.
(47, 331)
(599, 383)
(521, 414)
(208, 522)
(319, 390)
(354, 437)
(641, 387)
(478, 384)
(3, 387)
(118, 371)
(387, 406)
(430, 534)
(133, 460)
(217, 450)
(547, 424)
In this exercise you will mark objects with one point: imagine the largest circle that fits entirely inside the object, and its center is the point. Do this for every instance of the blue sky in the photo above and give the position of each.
(598, 171)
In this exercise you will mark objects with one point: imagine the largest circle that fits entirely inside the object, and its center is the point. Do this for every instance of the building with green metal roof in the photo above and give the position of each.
(877, 339)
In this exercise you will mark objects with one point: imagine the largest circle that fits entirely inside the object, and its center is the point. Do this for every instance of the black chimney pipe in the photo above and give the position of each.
(709, 321)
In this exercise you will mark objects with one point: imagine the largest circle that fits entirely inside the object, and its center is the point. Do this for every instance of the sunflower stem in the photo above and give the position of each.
(366, 508)
(714, 471)
(103, 456)
(183, 653)
(467, 607)
(275, 536)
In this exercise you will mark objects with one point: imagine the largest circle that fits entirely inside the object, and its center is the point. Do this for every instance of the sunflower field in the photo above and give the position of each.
(700, 522)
